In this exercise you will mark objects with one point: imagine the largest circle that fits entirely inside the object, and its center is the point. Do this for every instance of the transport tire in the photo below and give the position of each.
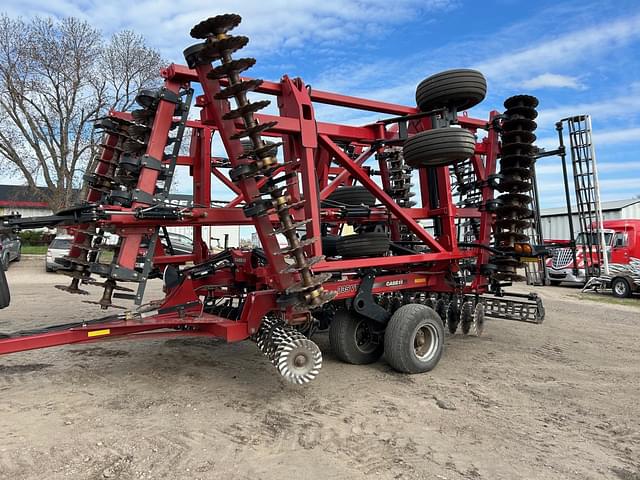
(352, 340)
(414, 339)
(460, 88)
(366, 244)
(351, 195)
(441, 146)
(329, 245)
(620, 288)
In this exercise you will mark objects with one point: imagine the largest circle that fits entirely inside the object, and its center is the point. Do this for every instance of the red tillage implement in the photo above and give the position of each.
(431, 247)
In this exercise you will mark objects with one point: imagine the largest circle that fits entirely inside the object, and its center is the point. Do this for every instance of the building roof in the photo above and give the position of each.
(22, 196)
(606, 206)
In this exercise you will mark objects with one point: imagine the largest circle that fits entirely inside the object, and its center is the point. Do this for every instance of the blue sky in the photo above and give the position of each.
(575, 56)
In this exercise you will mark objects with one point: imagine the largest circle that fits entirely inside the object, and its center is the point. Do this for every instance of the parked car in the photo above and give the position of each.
(59, 247)
(5, 296)
(181, 244)
(9, 249)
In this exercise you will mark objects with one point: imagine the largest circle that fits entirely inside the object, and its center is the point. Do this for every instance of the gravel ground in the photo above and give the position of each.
(551, 401)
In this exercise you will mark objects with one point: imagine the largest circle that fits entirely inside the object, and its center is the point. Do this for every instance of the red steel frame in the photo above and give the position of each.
(309, 146)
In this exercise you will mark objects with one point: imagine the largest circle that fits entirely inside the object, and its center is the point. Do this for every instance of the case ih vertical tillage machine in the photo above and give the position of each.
(432, 247)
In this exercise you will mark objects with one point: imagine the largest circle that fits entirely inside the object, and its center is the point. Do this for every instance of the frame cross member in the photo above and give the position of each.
(356, 172)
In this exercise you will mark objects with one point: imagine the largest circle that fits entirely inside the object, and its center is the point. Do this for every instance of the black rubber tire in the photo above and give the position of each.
(345, 332)
(329, 245)
(352, 195)
(620, 288)
(440, 146)
(401, 336)
(48, 269)
(555, 283)
(461, 88)
(366, 244)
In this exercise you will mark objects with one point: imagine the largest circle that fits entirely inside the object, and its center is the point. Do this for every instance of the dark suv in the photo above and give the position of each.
(9, 249)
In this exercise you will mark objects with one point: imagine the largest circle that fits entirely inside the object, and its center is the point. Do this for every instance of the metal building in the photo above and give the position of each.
(555, 223)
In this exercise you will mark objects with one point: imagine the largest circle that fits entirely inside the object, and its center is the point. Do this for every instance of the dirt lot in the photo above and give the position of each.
(558, 400)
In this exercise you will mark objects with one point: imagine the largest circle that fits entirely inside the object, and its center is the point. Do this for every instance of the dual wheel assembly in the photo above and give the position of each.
(413, 339)
(412, 342)
(445, 144)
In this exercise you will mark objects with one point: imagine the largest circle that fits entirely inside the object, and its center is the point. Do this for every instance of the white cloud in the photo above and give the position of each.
(616, 107)
(563, 50)
(600, 137)
(272, 25)
(553, 80)
(628, 135)
(529, 66)
(551, 169)
(547, 143)
(559, 200)
(548, 170)
(606, 185)
(333, 29)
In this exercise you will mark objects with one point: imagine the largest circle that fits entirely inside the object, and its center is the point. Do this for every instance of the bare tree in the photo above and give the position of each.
(127, 65)
(56, 78)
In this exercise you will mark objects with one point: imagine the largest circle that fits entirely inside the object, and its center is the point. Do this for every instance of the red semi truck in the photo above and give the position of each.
(622, 247)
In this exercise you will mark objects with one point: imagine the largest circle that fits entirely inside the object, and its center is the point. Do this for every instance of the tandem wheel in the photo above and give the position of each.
(414, 339)
(353, 340)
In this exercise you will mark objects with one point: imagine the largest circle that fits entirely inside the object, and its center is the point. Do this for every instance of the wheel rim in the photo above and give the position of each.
(425, 342)
(364, 339)
(620, 288)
